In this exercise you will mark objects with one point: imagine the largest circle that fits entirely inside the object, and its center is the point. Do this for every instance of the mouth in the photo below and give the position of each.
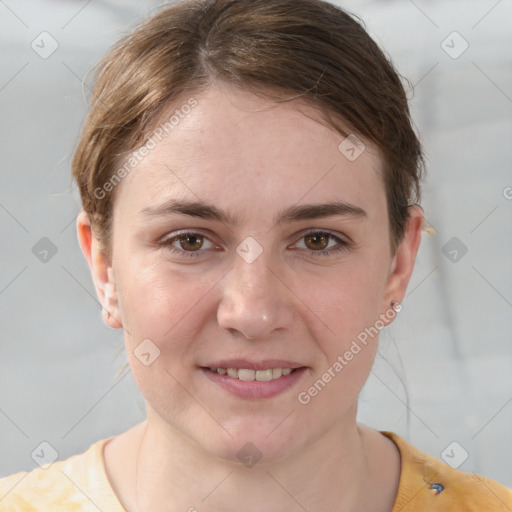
(249, 380)
(249, 374)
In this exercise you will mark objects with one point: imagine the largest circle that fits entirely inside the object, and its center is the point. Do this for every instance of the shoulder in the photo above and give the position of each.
(78, 483)
(426, 483)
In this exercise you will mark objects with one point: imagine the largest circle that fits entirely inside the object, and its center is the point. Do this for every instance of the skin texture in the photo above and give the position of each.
(251, 158)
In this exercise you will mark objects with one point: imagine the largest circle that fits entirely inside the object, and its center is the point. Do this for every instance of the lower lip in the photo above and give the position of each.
(255, 388)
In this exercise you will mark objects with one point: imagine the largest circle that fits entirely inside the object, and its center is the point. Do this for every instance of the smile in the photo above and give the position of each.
(248, 374)
(254, 383)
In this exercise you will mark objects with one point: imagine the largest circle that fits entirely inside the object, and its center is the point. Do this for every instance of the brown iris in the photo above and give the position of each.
(192, 242)
(316, 238)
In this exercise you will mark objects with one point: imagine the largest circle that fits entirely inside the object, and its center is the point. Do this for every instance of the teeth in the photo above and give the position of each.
(263, 375)
(259, 375)
(277, 372)
(244, 374)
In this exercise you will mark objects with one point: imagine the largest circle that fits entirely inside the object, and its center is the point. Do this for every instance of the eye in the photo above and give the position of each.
(317, 241)
(189, 243)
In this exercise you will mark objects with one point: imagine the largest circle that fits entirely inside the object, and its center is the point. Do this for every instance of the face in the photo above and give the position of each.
(252, 277)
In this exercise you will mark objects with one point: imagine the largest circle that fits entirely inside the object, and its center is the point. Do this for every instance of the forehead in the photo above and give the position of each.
(241, 151)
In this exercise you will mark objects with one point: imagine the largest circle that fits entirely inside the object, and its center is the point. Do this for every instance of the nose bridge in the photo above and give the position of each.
(252, 266)
(253, 300)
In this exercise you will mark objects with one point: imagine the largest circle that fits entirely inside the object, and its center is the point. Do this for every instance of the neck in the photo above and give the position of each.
(337, 472)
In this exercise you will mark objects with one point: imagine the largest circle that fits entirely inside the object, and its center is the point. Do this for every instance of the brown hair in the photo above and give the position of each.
(310, 49)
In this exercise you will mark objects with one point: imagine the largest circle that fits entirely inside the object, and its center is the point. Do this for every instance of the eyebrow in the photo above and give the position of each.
(286, 216)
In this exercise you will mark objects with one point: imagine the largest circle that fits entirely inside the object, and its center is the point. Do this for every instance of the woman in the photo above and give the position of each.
(249, 178)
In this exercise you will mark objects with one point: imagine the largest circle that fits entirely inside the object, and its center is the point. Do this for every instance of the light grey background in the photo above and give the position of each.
(451, 345)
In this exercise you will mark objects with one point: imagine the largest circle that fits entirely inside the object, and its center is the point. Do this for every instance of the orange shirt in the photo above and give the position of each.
(80, 483)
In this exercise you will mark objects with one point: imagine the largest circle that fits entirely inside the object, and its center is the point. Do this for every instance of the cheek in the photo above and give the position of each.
(347, 303)
(347, 300)
(161, 305)
(161, 314)
(348, 308)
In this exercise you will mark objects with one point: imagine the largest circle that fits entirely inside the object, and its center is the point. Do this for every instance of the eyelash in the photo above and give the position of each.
(343, 244)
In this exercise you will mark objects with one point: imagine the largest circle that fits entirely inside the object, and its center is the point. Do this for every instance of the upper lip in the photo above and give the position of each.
(253, 365)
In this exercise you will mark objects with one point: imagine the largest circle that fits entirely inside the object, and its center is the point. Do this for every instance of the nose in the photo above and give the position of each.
(255, 300)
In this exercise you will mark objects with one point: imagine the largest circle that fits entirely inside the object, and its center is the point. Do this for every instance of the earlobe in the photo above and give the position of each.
(101, 271)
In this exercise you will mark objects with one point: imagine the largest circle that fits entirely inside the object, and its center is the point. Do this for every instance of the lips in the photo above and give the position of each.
(254, 379)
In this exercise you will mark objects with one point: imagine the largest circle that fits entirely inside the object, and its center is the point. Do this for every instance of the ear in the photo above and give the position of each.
(101, 270)
(402, 264)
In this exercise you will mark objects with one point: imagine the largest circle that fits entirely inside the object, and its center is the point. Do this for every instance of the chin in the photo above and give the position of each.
(252, 444)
